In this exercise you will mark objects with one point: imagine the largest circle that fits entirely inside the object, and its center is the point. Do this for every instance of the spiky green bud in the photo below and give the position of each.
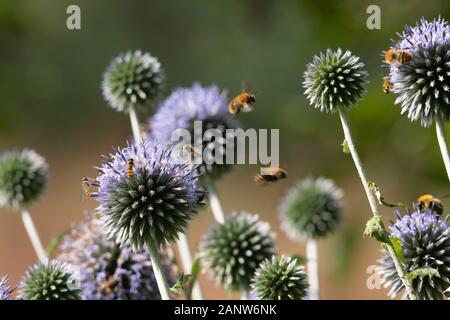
(232, 251)
(23, 176)
(311, 209)
(334, 79)
(280, 278)
(133, 80)
(50, 281)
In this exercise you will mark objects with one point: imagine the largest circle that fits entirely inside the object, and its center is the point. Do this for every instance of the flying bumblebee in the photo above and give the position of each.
(241, 103)
(429, 202)
(270, 174)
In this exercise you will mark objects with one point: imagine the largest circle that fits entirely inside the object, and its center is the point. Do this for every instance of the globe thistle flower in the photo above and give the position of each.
(23, 176)
(49, 281)
(422, 84)
(232, 251)
(182, 108)
(426, 244)
(108, 272)
(334, 79)
(155, 203)
(311, 208)
(280, 278)
(132, 80)
(5, 288)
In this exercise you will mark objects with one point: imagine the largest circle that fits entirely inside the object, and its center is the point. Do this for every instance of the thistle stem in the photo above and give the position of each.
(313, 268)
(186, 260)
(442, 140)
(157, 270)
(357, 161)
(372, 202)
(33, 235)
(135, 124)
(214, 202)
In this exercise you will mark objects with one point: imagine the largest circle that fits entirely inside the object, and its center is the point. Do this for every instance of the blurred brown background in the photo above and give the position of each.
(51, 101)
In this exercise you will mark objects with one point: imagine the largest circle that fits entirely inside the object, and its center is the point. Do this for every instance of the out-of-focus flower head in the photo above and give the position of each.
(108, 272)
(5, 288)
(197, 103)
(232, 251)
(311, 209)
(23, 177)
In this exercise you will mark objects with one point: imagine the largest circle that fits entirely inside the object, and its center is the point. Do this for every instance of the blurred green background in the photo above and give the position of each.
(50, 100)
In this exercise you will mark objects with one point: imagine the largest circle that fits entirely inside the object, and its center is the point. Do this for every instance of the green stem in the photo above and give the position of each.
(357, 161)
(214, 202)
(33, 235)
(313, 268)
(442, 140)
(135, 124)
(158, 271)
(186, 260)
(372, 201)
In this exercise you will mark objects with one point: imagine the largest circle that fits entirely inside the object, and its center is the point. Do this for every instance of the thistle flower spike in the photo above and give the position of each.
(115, 273)
(280, 278)
(182, 108)
(23, 177)
(334, 79)
(425, 242)
(132, 80)
(50, 281)
(151, 204)
(232, 251)
(312, 208)
(422, 84)
(5, 288)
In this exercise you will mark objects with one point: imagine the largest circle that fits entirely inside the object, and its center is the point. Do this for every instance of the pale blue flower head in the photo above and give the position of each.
(5, 288)
(425, 241)
(186, 105)
(423, 84)
(155, 204)
(108, 272)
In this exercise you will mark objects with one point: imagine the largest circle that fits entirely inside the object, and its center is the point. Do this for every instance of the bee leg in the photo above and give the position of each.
(94, 183)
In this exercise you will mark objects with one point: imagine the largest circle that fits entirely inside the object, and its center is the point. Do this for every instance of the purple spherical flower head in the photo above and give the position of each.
(155, 203)
(108, 272)
(423, 84)
(5, 288)
(186, 105)
(425, 242)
